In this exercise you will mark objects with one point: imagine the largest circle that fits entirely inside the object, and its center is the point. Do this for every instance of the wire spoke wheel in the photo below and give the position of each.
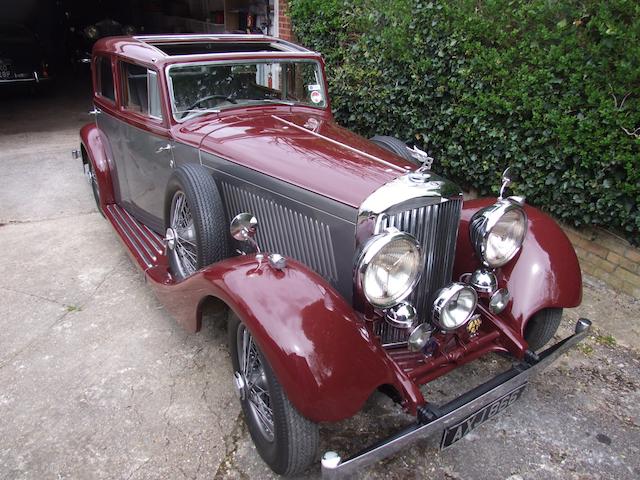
(257, 394)
(286, 441)
(194, 221)
(186, 248)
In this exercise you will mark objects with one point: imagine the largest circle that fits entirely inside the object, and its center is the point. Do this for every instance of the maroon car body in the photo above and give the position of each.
(314, 327)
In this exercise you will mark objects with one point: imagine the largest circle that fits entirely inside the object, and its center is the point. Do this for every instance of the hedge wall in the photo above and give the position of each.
(550, 87)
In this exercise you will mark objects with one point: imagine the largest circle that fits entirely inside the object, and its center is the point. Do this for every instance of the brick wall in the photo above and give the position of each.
(284, 23)
(608, 258)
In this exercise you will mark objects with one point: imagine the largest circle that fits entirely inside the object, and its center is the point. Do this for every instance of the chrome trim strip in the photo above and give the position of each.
(143, 254)
(152, 238)
(455, 411)
(19, 80)
(344, 145)
(275, 186)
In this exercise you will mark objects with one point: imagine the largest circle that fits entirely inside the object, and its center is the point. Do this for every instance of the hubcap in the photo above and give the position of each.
(241, 387)
(170, 238)
(251, 383)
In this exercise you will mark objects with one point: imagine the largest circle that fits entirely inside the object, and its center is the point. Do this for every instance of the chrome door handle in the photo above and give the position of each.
(95, 111)
(167, 147)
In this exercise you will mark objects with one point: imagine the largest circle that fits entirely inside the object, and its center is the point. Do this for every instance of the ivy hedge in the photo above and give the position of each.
(551, 87)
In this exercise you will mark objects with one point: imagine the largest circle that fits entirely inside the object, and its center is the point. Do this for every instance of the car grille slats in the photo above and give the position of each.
(436, 228)
(286, 231)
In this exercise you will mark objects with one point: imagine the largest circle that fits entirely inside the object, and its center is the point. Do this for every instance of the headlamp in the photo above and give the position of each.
(497, 232)
(389, 267)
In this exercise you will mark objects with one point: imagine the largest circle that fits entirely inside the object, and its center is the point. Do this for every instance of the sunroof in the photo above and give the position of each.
(198, 48)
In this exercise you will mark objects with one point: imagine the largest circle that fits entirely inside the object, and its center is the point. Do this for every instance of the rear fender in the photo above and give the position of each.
(93, 145)
(320, 350)
(545, 274)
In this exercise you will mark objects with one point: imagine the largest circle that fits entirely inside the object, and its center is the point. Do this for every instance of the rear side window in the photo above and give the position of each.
(105, 78)
(141, 90)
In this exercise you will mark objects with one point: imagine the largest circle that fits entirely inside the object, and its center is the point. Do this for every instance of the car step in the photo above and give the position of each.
(146, 246)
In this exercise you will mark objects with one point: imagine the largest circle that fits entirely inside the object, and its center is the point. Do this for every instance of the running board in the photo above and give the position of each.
(146, 246)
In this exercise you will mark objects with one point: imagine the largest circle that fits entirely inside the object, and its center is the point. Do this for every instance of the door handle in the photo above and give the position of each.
(95, 111)
(166, 148)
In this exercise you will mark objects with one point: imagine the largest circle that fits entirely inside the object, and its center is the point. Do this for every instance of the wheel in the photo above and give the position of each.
(394, 146)
(285, 440)
(195, 221)
(542, 327)
(93, 180)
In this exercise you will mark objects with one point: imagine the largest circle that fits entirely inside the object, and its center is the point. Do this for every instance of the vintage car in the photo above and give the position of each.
(22, 60)
(347, 265)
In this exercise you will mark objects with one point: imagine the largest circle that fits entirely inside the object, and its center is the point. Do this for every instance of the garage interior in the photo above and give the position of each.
(98, 381)
(66, 29)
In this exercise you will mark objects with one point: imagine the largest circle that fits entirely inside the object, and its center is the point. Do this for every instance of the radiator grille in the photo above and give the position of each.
(436, 228)
(286, 231)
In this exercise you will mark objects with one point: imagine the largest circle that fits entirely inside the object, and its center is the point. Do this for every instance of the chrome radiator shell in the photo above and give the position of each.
(428, 207)
(436, 228)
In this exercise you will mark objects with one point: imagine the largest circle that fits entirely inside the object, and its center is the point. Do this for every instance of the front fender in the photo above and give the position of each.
(320, 350)
(92, 144)
(545, 274)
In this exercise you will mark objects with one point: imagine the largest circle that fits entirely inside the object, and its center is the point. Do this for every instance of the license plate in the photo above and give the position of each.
(458, 431)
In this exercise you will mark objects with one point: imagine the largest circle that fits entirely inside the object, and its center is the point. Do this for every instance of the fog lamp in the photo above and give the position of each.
(454, 305)
(484, 281)
(499, 300)
(402, 315)
(419, 337)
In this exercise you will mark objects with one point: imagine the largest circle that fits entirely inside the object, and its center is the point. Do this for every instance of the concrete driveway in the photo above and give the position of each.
(98, 381)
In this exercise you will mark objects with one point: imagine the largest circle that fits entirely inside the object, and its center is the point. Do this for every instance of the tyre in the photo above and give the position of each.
(542, 327)
(285, 440)
(195, 221)
(394, 146)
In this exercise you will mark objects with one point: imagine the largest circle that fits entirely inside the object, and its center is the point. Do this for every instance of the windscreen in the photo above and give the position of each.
(201, 88)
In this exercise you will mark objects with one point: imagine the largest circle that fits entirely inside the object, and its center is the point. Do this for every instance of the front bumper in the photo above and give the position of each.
(433, 419)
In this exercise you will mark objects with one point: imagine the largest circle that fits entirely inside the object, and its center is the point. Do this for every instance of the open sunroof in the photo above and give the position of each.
(199, 48)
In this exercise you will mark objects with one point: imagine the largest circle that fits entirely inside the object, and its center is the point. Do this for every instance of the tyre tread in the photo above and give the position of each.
(542, 327)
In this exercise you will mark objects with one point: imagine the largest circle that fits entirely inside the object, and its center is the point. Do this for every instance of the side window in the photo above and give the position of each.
(105, 78)
(141, 90)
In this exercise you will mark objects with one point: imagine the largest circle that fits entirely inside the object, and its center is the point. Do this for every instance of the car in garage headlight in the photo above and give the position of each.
(497, 232)
(389, 267)
(91, 32)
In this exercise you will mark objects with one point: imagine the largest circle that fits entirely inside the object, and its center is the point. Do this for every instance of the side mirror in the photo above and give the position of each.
(244, 226)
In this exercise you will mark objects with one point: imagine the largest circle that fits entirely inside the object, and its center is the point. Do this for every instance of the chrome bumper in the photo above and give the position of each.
(434, 419)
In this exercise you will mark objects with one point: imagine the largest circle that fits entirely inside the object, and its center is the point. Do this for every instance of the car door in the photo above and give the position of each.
(147, 145)
(108, 122)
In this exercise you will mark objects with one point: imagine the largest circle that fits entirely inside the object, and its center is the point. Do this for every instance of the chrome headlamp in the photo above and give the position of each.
(389, 267)
(454, 305)
(497, 231)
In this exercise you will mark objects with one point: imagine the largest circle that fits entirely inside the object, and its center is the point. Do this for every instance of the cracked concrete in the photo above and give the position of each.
(98, 381)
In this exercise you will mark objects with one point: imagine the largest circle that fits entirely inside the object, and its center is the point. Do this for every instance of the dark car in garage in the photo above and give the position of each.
(22, 61)
(368, 270)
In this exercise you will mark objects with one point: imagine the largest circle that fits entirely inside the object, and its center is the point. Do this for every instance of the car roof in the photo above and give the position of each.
(168, 49)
